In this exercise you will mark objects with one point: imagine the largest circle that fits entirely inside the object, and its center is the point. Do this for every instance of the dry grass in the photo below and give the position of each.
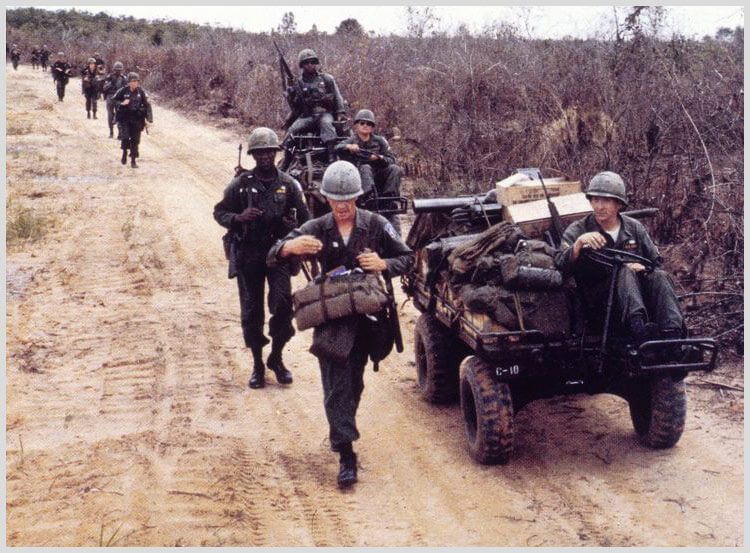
(24, 224)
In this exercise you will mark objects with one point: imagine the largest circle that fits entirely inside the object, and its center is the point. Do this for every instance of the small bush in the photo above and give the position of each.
(24, 224)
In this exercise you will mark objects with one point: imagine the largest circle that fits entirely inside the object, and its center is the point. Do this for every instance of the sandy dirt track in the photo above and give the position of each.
(129, 420)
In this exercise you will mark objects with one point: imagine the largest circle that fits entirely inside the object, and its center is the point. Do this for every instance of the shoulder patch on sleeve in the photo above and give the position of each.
(391, 231)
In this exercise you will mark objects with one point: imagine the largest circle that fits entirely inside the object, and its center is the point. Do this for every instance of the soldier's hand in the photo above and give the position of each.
(302, 245)
(341, 117)
(125, 102)
(354, 148)
(371, 261)
(593, 240)
(637, 267)
(249, 214)
(375, 157)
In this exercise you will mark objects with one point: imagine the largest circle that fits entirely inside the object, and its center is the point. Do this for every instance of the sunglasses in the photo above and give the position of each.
(367, 123)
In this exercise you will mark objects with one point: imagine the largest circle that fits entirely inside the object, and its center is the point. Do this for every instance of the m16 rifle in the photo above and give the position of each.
(556, 231)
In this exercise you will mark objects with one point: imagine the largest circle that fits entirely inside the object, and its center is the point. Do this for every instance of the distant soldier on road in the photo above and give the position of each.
(348, 237)
(44, 57)
(258, 208)
(61, 70)
(90, 87)
(15, 56)
(315, 101)
(35, 52)
(133, 115)
(114, 82)
(375, 160)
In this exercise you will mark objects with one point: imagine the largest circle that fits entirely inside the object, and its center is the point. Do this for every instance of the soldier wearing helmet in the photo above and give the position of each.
(35, 52)
(133, 115)
(346, 237)
(640, 296)
(89, 86)
(315, 101)
(44, 57)
(15, 56)
(259, 207)
(114, 82)
(61, 71)
(375, 160)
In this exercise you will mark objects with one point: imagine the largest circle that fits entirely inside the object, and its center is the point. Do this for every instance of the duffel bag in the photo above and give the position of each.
(337, 297)
(531, 267)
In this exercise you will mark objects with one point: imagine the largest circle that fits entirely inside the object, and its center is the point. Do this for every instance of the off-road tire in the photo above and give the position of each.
(437, 356)
(658, 412)
(487, 407)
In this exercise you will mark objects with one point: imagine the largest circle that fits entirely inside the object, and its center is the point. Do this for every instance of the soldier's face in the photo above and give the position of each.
(134, 84)
(343, 211)
(605, 209)
(264, 158)
(365, 128)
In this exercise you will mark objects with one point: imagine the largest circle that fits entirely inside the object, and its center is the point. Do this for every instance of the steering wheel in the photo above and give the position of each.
(610, 257)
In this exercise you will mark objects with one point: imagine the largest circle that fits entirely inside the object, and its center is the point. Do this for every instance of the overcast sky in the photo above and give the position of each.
(541, 21)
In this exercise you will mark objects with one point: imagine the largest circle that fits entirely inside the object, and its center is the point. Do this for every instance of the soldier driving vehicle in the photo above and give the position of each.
(133, 115)
(352, 246)
(258, 208)
(315, 101)
(61, 71)
(90, 87)
(114, 82)
(371, 153)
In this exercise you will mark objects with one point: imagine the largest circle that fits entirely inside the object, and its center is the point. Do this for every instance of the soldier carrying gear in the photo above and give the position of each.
(133, 115)
(61, 70)
(35, 52)
(89, 86)
(258, 208)
(315, 101)
(639, 295)
(114, 82)
(372, 154)
(346, 237)
(15, 56)
(44, 57)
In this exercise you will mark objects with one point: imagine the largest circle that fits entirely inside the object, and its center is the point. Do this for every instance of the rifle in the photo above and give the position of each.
(287, 78)
(393, 313)
(557, 226)
(239, 169)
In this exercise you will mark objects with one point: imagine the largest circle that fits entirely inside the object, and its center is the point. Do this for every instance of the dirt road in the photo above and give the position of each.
(129, 420)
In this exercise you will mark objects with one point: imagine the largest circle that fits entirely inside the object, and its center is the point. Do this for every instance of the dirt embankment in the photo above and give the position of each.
(129, 420)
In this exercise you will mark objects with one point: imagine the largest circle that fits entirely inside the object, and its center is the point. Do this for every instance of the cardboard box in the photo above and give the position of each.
(534, 217)
(516, 189)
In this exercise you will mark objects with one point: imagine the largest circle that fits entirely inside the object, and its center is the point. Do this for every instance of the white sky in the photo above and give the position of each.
(551, 21)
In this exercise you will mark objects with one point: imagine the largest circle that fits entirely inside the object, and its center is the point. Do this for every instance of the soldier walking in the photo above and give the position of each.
(375, 160)
(44, 57)
(114, 82)
(89, 86)
(35, 57)
(61, 70)
(133, 115)
(348, 237)
(15, 56)
(258, 208)
(315, 101)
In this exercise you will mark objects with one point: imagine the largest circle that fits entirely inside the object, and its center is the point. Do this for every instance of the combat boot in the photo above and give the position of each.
(330, 149)
(641, 331)
(132, 162)
(347, 468)
(124, 159)
(258, 377)
(111, 134)
(95, 115)
(88, 115)
(283, 375)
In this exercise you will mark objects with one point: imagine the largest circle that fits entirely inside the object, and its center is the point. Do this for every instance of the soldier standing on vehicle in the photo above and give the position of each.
(638, 294)
(348, 237)
(44, 57)
(61, 74)
(35, 57)
(89, 86)
(315, 101)
(259, 207)
(114, 82)
(15, 56)
(375, 160)
(133, 115)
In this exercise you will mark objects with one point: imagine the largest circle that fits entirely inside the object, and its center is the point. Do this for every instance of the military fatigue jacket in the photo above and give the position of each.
(88, 77)
(139, 107)
(276, 198)
(61, 71)
(113, 83)
(633, 237)
(316, 93)
(377, 144)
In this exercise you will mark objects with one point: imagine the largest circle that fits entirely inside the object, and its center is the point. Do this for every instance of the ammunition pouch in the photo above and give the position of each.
(532, 267)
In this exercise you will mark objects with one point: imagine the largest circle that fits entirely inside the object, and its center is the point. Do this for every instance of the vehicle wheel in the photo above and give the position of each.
(487, 407)
(437, 355)
(658, 412)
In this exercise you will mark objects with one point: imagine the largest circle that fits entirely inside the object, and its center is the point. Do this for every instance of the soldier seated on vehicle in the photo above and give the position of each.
(315, 101)
(639, 295)
(375, 160)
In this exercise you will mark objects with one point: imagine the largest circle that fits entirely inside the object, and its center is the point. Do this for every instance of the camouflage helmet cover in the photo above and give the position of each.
(365, 115)
(262, 138)
(341, 181)
(61, 54)
(91, 60)
(133, 76)
(306, 55)
(118, 66)
(608, 185)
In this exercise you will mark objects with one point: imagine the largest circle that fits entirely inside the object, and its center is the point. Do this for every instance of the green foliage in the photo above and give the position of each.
(350, 27)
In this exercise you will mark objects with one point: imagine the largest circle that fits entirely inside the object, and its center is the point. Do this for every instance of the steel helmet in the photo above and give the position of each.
(365, 115)
(341, 181)
(97, 55)
(91, 60)
(609, 185)
(62, 54)
(307, 55)
(133, 76)
(262, 138)
(118, 66)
